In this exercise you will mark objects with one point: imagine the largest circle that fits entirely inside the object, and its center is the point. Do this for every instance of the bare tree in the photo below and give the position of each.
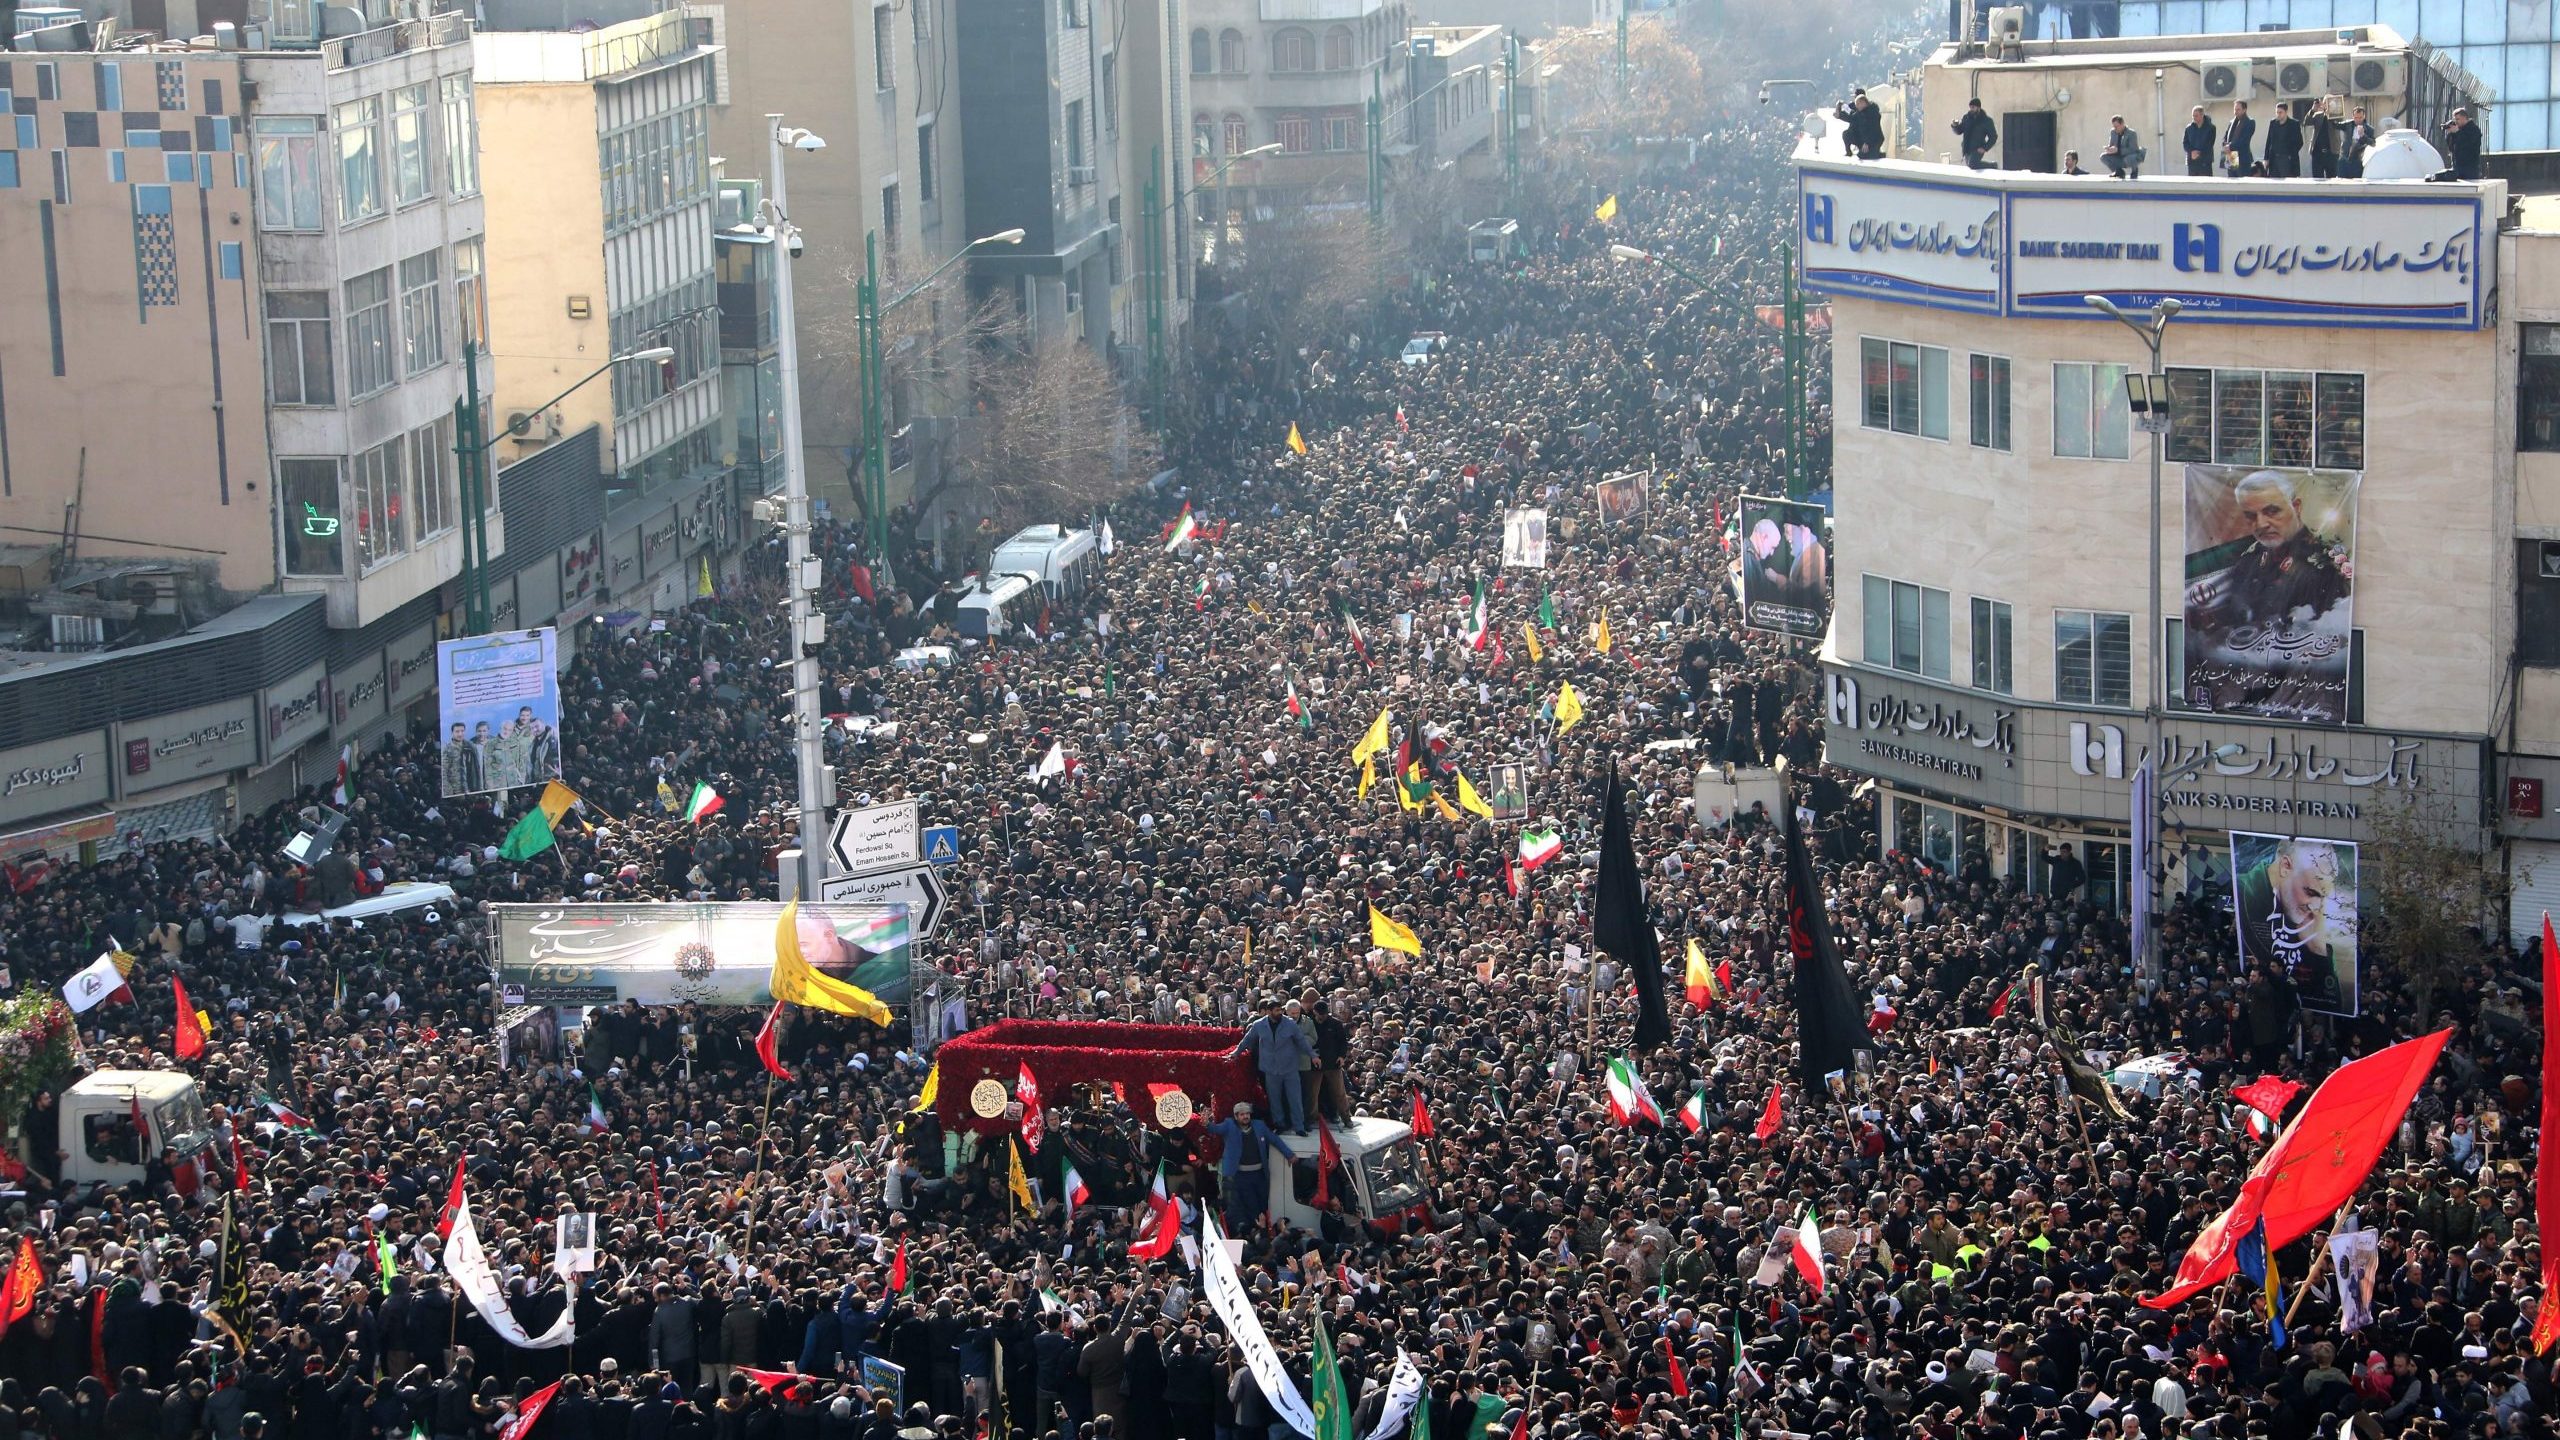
(1054, 438)
(2428, 884)
(1665, 91)
(1303, 275)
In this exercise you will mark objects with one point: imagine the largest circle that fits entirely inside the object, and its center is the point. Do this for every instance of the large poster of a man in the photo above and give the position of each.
(2270, 591)
(1786, 567)
(1624, 498)
(2293, 902)
(500, 713)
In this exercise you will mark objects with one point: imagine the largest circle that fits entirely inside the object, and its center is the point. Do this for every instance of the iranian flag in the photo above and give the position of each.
(1359, 642)
(1163, 1225)
(704, 803)
(346, 765)
(597, 1120)
(1299, 712)
(1183, 529)
(285, 1115)
(1074, 1188)
(1694, 1114)
(1807, 1241)
(1200, 596)
(1538, 845)
(1479, 625)
(1629, 1101)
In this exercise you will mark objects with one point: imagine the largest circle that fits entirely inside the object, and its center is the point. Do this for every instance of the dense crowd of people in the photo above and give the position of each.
(1210, 859)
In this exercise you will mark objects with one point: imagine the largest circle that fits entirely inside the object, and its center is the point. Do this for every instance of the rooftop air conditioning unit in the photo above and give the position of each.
(2302, 79)
(2226, 80)
(2008, 24)
(2378, 75)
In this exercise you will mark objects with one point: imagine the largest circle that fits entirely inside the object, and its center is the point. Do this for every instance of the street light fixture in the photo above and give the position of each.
(800, 573)
(2147, 398)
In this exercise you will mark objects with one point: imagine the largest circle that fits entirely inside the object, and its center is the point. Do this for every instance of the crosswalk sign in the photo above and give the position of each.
(942, 845)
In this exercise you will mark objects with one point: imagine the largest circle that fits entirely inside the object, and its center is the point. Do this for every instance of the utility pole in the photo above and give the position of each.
(1797, 409)
(808, 719)
(1511, 117)
(474, 455)
(1377, 148)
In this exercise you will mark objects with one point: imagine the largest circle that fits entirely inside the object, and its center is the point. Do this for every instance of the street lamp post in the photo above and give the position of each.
(1153, 206)
(2147, 395)
(471, 448)
(800, 576)
(869, 311)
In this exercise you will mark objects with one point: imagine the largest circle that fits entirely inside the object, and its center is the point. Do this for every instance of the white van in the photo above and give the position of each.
(1065, 562)
(994, 604)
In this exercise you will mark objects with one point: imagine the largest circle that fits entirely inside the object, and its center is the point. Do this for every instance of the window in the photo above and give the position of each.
(1991, 646)
(1070, 14)
(1906, 627)
(110, 85)
(1337, 48)
(359, 168)
(461, 136)
(300, 370)
(2173, 662)
(431, 476)
(421, 312)
(409, 181)
(1075, 134)
(471, 291)
(889, 230)
(1231, 52)
(382, 502)
(369, 345)
(48, 80)
(1293, 50)
(1905, 387)
(1200, 53)
(884, 48)
(2092, 658)
(1342, 131)
(1110, 94)
(309, 506)
(288, 149)
(1203, 137)
(1990, 390)
(2292, 418)
(2090, 418)
(924, 162)
(1237, 138)
(1297, 134)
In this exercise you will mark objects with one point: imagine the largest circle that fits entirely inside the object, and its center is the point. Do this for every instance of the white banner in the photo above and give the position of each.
(1404, 1391)
(1234, 1309)
(1524, 539)
(469, 1266)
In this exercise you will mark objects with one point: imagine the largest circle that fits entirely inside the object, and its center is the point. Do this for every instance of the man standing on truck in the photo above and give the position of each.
(1281, 1049)
(1244, 1163)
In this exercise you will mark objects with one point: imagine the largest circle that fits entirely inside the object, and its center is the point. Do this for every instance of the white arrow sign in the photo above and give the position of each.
(880, 837)
(918, 887)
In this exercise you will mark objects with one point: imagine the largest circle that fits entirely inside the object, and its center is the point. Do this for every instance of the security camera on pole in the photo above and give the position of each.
(808, 628)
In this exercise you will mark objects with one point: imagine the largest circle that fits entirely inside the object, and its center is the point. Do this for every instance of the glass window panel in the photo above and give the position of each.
(1904, 369)
(2339, 423)
(1934, 622)
(1933, 392)
(409, 172)
(2071, 411)
(2288, 418)
(2114, 412)
(1906, 627)
(1879, 619)
(2190, 417)
(2113, 655)
(312, 516)
(2239, 417)
(2071, 657)
(1875, 385)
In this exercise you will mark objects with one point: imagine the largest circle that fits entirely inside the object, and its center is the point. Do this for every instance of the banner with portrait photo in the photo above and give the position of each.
(1624, 498)
(1524, 539)
(2270, 591)
(498, 710)
(2293, 906)
(1786, 567)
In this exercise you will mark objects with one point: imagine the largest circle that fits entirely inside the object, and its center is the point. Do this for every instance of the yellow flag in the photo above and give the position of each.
(1600, 634)
(1021, 1182)
(1406, 786)
(702, 584)
(1443, 802)
(1608, 210)
(797, 982)
(1386, 934)
(556, 800)
(932, 1089)
(1529, 633)
(1699, 977)
(1470, 801)
(1568, 708)
(1297, 441)
(1253, 607)
(1374, 742)
(1368, 777)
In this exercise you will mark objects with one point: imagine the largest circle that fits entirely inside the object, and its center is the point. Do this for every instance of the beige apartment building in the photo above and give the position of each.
(1300, 73)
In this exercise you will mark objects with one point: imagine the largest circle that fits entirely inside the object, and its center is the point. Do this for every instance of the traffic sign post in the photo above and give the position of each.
(875, 838)
(942, 845)
(918, 887)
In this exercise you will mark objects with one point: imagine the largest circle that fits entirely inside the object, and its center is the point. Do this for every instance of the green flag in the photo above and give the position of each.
(1546, 609)
(388, 1264)
(1333, 1409)
(1110, 684)
(531, 837)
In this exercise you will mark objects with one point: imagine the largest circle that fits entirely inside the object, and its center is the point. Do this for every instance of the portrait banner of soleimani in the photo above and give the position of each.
(2269, 607)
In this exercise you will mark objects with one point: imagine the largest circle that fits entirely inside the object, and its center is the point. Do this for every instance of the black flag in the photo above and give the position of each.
(1620, 924)
(1830, 1024)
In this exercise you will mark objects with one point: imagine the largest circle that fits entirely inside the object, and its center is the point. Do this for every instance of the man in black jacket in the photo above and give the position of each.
(2462, 145)
(2320, 130)
(2239, 141)
(1976, 134)
(2351, 150)
(2284, 144)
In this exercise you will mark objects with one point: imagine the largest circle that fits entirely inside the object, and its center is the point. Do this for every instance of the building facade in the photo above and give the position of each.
(1301, 73)
(2336, 510)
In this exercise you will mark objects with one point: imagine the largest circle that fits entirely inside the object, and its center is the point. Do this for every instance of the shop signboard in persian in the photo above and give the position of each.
(2294, 912)
(2270, 591)
(295, 710)
(499, 717)
(185, 744)
(1901, 237)
(1786, 567)
(52, 776)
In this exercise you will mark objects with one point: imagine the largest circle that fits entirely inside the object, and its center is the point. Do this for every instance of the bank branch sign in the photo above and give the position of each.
(2398, 255)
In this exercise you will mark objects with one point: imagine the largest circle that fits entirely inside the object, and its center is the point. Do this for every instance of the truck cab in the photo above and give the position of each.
(1381, 1163)
(98, 1125)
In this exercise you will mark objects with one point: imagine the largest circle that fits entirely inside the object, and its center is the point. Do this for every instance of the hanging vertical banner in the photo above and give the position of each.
(1786, 567)
(469, 1266)
(499, 710)
(2293, 901)
(2270, 591)
(1235, 1310)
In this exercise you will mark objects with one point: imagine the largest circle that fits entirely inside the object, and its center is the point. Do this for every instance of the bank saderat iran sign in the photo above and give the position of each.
(2402, 255)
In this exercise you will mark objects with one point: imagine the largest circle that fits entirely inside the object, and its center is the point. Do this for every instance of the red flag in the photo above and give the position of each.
(2000, 1006)
(190, 1030)
(1421, 1117)
(18, 1292)
(98, 1338)
(2266, 1098)
(452, 1203)
(1328, 1155)
(774, 1381)
(529, 1412)
(898, 1269)
(657, 1197)
(860, 575)
(1163, 1225)
(2316, 1164)
(1511, 876)
(2546, 1166)
(1771, 1116)
(768, 1043)
(239, 1161)
(10, 1169)
(1679, 1379)
(1026, 1088)
(141, 1131)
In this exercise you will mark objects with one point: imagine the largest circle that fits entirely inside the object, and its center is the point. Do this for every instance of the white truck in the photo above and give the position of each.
(99, 1125)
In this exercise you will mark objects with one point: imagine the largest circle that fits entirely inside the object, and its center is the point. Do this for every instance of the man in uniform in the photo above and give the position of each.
(2268, 594)
(2283, 906)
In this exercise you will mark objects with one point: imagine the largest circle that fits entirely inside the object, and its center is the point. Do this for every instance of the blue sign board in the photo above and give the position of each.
(942, 844)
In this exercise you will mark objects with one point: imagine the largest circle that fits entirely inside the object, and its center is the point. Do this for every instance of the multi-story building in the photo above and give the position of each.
(2335, 534)
(1301, 73)
(1454, 74)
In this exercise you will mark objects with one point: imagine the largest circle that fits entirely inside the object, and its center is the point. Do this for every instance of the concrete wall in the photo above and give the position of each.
(540, 173)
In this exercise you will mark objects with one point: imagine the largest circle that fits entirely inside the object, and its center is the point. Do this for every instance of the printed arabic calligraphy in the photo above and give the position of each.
(1978, 241)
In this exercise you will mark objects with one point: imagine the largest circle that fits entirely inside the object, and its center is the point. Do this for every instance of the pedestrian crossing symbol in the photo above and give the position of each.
(942, 845)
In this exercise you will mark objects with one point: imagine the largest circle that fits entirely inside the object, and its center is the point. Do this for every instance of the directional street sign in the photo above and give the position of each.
(942, 845)
(880, 837)
(917, 887)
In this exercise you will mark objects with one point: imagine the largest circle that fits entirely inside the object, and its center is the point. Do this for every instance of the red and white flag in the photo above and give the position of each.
(1771, 1116)
(1162, 1227)
(1808, 1251)
(1026, 1088)
(769, 1043)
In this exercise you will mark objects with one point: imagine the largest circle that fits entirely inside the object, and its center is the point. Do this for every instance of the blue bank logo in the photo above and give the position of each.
(2196, 247)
